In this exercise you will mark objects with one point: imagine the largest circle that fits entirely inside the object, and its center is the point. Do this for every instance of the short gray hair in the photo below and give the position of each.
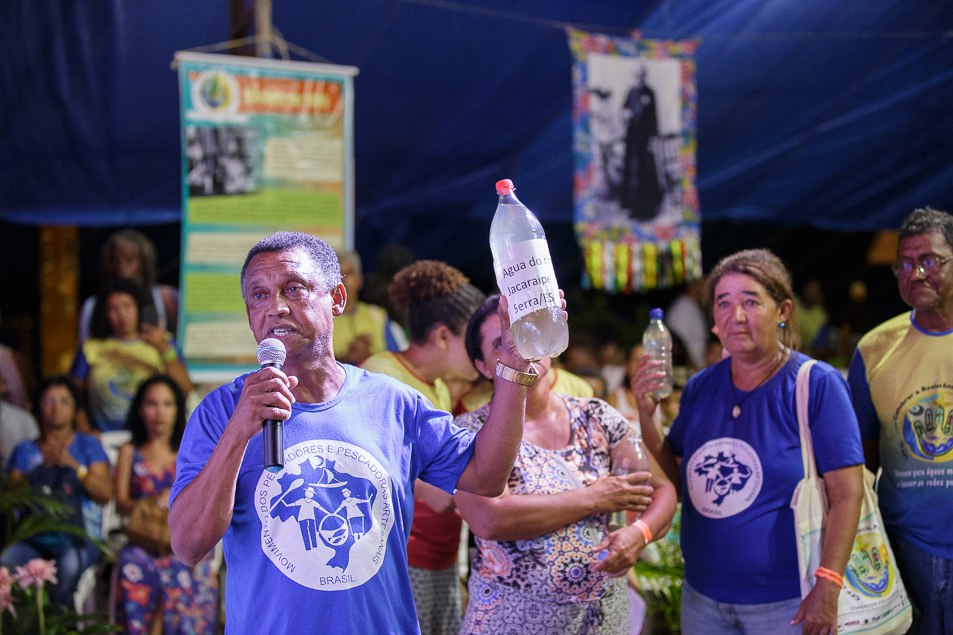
(925, 220)
(319, 251)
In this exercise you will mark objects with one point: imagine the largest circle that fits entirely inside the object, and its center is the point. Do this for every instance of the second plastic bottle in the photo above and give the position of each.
(525, 275)
(632, 459)
(657, 342)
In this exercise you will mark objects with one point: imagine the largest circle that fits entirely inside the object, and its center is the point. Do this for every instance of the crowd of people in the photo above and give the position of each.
(105, 438)
(409, 428)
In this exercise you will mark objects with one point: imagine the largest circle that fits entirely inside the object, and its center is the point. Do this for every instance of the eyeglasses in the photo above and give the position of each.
(928, 265)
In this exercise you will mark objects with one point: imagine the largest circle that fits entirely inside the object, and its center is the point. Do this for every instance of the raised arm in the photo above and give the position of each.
(497, 442)
(647, 377)
(495, 446)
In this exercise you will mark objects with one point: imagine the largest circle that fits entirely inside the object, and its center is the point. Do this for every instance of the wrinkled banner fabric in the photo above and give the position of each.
(637, 214)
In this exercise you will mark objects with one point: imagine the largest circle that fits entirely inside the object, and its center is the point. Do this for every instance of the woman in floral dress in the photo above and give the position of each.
(546, 560)
(158, 587)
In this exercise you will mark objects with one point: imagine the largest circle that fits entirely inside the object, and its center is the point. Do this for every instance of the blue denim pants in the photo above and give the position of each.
(702, 615)
(929, 583)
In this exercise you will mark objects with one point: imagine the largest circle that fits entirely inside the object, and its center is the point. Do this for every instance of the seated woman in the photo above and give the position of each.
(72, 464)
(122, 351)
(158, 587)
(545, 552)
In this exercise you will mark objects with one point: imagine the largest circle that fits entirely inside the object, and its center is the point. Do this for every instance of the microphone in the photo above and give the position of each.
(271, 354)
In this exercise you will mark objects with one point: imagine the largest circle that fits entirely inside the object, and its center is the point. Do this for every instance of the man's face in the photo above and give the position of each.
(285, 298)
(926, 292)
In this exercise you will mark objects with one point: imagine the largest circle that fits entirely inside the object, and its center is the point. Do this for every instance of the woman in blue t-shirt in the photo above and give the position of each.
(72, 465)
(734, 453)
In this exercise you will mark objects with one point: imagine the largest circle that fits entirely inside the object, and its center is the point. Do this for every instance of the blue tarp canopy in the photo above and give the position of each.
(837, 115)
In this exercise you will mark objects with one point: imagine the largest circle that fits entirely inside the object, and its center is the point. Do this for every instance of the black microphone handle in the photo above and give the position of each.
(273, 444)
(273, 438)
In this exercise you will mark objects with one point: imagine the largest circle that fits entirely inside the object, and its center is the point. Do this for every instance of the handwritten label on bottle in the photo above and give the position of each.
(526, 276)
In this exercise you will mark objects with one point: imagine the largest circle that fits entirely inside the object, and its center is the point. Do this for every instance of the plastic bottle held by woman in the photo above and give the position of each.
(632, 458)
(657, 342)
(526, 276)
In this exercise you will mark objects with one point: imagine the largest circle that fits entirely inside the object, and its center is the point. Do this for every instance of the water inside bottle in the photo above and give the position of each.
(541, 334)
(667, 385)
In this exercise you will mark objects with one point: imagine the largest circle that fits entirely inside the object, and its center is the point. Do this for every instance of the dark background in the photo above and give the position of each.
(833, 258)
(818, 124)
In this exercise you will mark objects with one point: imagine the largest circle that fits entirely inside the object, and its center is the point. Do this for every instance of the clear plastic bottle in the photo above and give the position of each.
(632, 459)
(525, 275)
(657, 342)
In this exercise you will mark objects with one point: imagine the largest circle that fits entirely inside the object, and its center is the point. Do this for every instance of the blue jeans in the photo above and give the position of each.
(929, 583)
(702, 615)
(71, 561)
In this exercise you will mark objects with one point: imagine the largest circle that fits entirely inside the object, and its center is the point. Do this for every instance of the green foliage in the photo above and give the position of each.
(660, 572)
(56, 619)
(27, 511)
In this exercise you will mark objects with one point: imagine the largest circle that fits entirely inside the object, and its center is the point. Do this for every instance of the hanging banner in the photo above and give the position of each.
(637, 214)
(267, 145)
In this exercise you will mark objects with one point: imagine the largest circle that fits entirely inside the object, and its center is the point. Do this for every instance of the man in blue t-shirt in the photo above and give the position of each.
(321, 543)
(901, 379)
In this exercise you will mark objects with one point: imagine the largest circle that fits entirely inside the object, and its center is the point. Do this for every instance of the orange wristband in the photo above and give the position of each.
(831, 576)
(644, 528)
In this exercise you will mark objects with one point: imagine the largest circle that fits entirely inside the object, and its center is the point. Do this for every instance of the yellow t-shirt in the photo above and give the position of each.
(393, 365)
(563, 382)
(365, 319)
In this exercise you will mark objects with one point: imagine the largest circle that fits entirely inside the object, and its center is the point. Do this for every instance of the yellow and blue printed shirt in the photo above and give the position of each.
(901, 380)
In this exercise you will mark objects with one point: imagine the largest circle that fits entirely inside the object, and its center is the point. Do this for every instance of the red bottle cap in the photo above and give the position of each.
(504, 187)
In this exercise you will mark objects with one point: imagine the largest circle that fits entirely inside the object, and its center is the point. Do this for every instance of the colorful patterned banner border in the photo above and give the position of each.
(631, 255)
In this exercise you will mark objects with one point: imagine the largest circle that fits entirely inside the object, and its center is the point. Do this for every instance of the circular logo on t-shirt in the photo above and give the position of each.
(724, 476)
(326, 516)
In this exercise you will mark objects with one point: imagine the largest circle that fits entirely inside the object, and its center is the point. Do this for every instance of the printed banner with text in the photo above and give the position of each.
(267, 145)
(637, 214)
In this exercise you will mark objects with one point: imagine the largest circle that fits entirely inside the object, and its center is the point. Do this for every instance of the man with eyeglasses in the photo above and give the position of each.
(901, 379)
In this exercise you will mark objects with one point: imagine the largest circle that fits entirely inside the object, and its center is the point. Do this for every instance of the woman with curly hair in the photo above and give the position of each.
(437, 301)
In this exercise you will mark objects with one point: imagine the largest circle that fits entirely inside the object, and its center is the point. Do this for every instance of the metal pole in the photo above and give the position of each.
(263, 28)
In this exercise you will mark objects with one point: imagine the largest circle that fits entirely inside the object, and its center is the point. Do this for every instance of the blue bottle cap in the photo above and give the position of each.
(656, 314)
